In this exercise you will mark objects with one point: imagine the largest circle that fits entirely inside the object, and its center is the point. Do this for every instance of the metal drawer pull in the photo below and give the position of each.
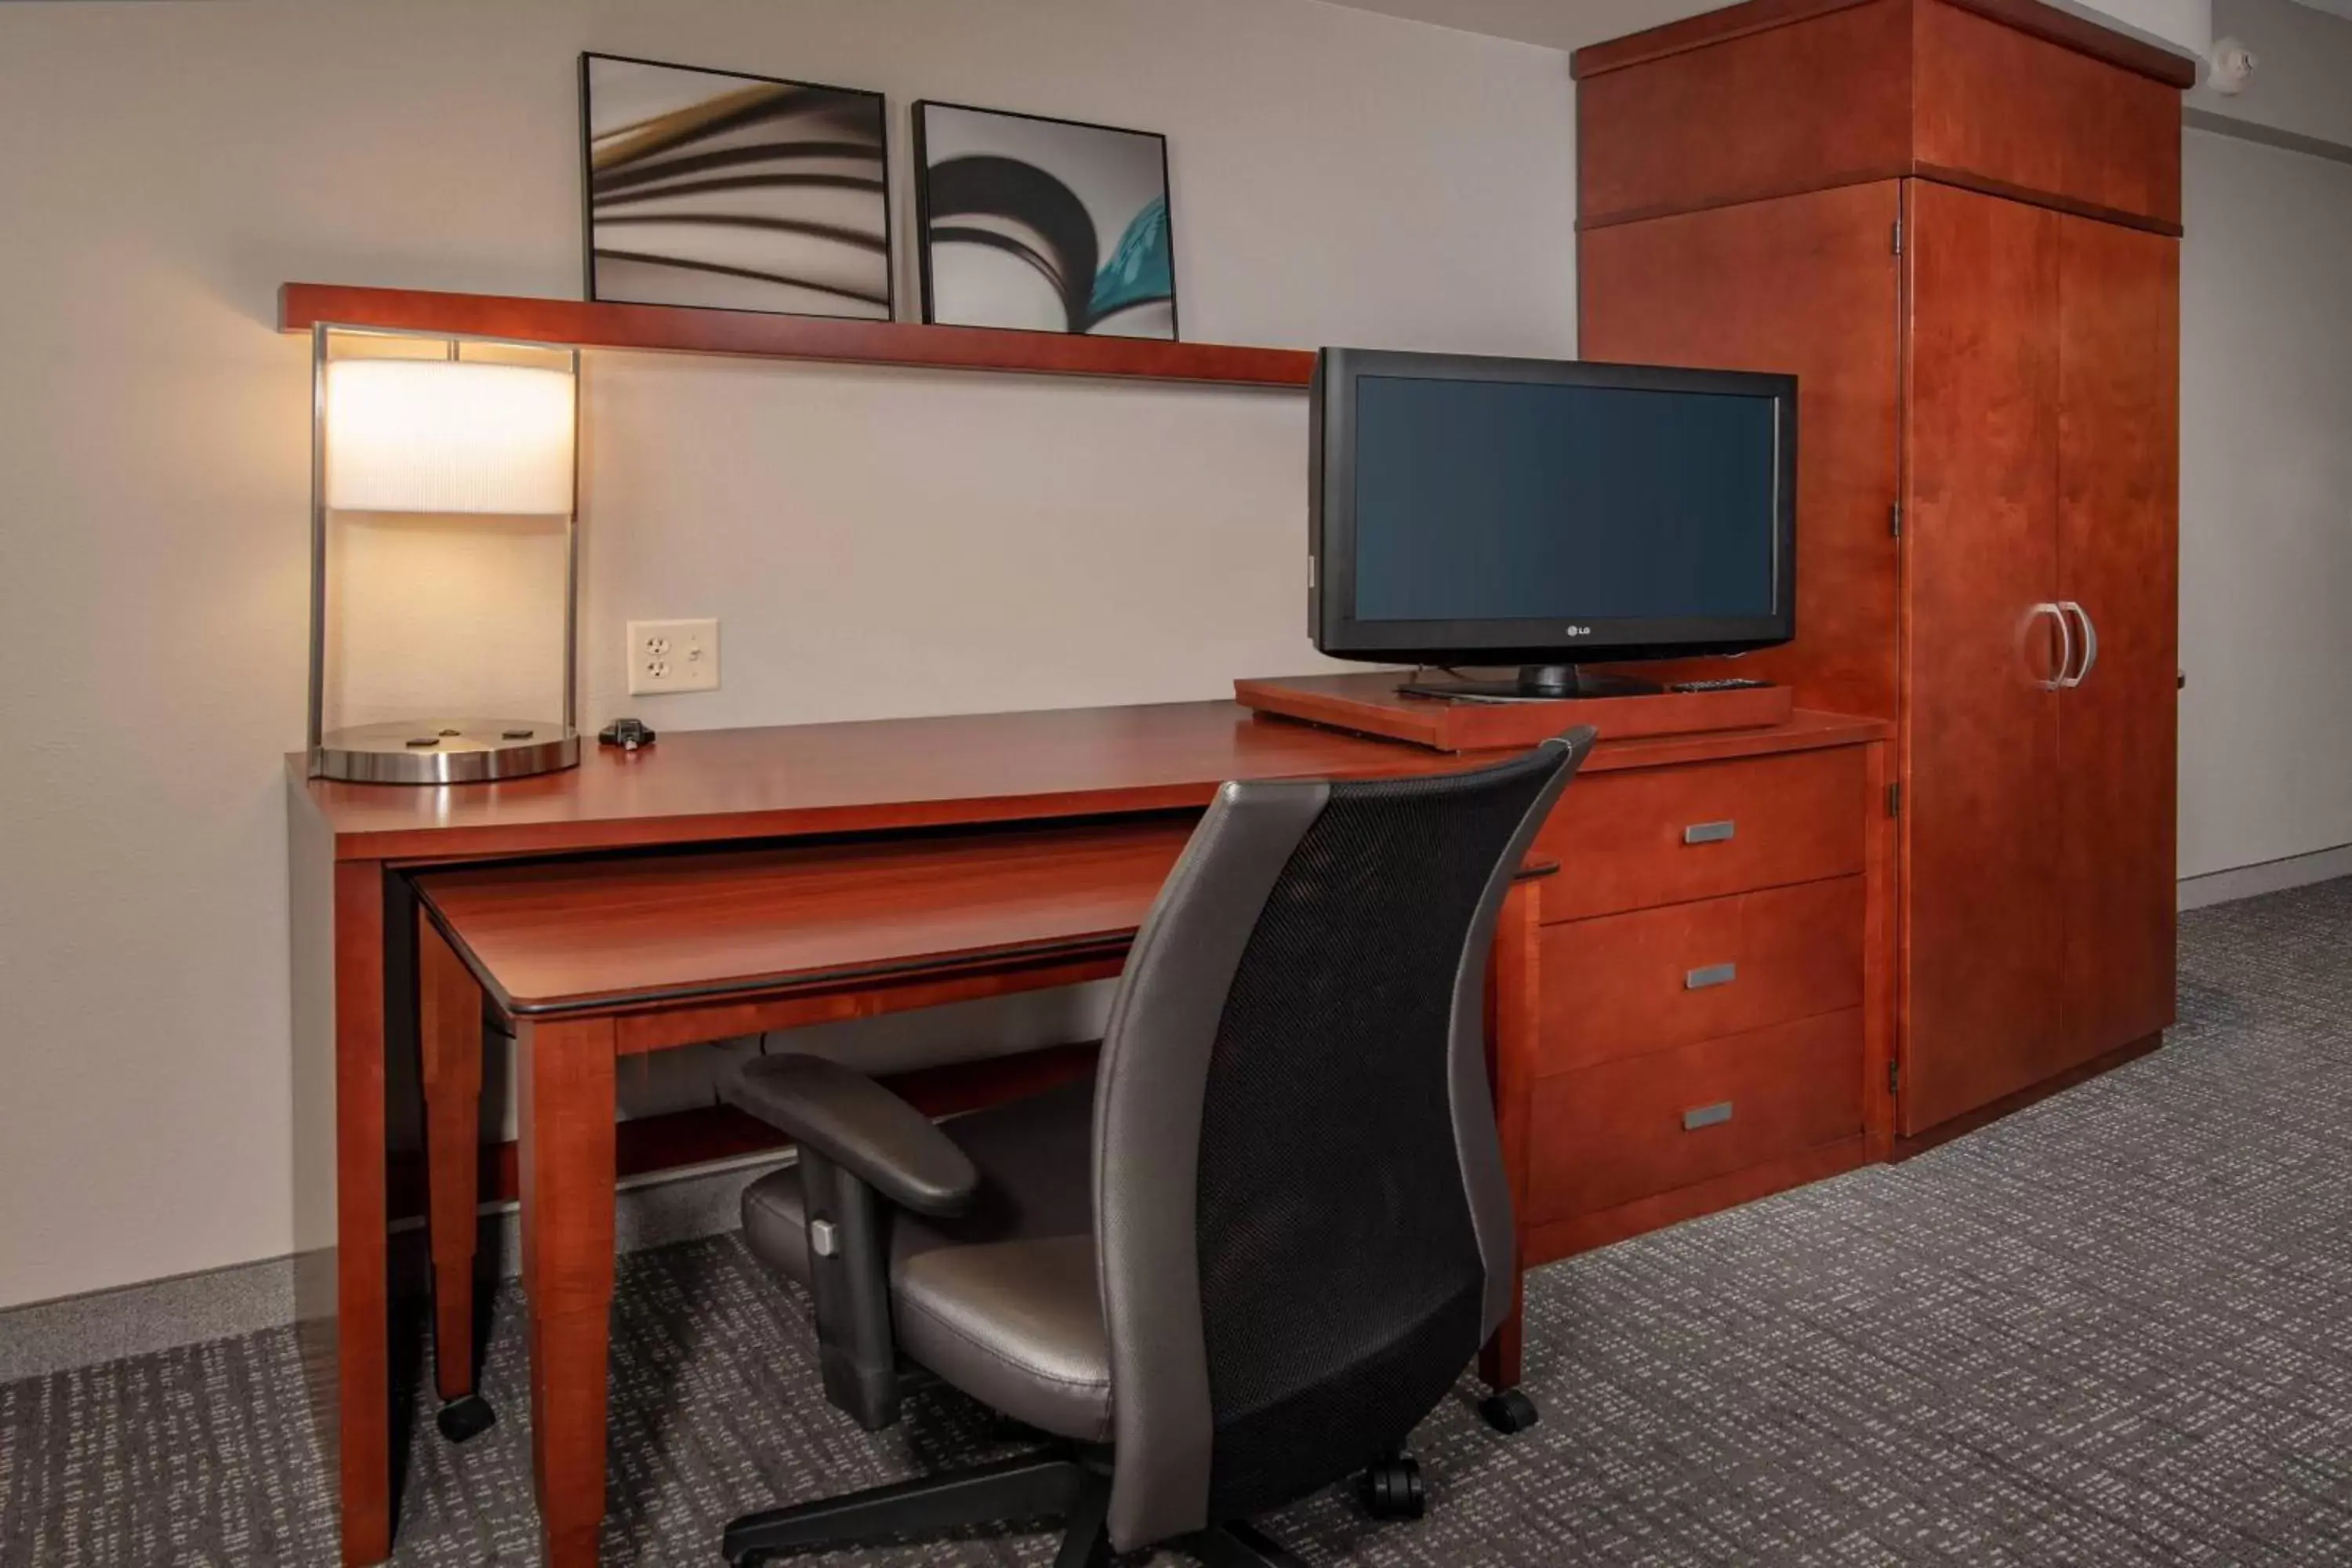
(1699, 979)
(2090, 640)
(1706, 1116)
(1707, 832)
(2058, 680)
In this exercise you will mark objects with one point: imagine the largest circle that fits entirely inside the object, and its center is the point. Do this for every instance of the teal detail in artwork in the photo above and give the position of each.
(1141, 268)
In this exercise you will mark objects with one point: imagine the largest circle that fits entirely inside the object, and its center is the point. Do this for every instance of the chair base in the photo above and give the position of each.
(1064, 1481)
(1390, 1488)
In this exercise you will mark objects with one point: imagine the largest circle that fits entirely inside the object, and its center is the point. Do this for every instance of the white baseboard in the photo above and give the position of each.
(47, 1337)
(2268, 877)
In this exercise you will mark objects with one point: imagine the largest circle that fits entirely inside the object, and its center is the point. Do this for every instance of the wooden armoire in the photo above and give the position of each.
(1956, 222)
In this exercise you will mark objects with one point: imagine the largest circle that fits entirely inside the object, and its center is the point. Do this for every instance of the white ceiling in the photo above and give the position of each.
(1572, 23)
(1558, 23)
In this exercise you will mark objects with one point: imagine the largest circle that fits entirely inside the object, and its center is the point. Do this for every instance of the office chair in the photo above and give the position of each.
(1247, 1258)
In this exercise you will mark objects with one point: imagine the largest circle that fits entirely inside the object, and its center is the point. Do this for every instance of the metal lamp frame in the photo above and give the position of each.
(460, 751)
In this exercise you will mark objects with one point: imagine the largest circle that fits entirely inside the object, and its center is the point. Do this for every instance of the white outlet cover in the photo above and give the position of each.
(672, 655)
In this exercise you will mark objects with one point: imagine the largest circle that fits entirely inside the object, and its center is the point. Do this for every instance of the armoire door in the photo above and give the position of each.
(1805, 285)
(1983, 820)
(2118, 486)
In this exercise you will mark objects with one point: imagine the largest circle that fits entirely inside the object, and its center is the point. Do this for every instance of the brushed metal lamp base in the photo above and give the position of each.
(446, 750)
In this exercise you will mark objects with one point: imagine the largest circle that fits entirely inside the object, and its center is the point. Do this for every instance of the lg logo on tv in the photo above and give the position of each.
(1580, 631)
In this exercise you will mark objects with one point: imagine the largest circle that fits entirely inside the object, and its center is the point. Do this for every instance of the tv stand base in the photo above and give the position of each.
(1537, 683)
(1446, 719)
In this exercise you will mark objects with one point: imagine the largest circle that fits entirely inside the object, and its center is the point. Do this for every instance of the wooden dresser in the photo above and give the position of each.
(1712, 1017)
(1954, 221)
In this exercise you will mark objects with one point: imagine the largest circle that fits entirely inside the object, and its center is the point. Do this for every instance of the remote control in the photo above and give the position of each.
(1734, 684)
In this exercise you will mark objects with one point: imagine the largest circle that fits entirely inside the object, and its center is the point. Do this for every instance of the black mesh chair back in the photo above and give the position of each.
(1302, 1224)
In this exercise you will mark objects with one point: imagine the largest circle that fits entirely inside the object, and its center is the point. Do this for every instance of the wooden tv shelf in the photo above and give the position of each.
(681, 330)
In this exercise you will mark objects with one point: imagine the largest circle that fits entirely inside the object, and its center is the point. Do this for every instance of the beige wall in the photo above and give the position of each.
(2265, 462)
(2265, 503)
(2304, 84)
(875, 542)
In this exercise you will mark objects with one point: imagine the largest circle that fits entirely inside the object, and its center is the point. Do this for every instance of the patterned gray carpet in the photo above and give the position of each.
(2116, 1329)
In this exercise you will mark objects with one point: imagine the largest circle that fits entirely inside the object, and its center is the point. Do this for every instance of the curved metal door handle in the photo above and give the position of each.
(2065, 644)
(2090, 641)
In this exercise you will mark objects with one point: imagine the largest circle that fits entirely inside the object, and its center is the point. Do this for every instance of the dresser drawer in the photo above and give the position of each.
(1643, 836)
(1609, 1133)
(1620, 985)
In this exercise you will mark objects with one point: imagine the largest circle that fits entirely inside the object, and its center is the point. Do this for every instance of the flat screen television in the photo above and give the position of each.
(1547, 513)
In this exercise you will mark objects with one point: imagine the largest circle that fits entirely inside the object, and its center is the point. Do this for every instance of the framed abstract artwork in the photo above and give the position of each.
(743, 193)
(1051, 225)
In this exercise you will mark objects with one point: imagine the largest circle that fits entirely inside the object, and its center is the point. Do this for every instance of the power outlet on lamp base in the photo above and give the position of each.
(673, 656)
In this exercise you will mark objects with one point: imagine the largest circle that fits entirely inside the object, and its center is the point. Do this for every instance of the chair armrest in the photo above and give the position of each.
(862, 1127)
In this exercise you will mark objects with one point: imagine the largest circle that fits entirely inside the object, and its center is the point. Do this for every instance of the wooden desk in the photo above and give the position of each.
(356, 850)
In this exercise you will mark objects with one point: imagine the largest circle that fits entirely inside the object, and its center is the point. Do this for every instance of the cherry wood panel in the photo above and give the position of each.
(2034, 16)
(1720, 26)
(1985, 1115)
(1984, 835)
(1881, 924)
(1614, 1131)
(1371, 705)
(695, 786)
(682, 329)
(318, 966)
(1619, 985)
(1776, 99)
(571, 934)
(360, 1351)
(564, 1070)
(1556, 1239)
(2119, 557)
(1620, 837)
(658, 1026)
(1806, 286)
(2005, 108)
(2088, 38)
(1822, 100)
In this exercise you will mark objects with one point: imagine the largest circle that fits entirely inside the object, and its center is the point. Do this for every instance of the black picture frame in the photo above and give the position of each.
(924, 209)
(888, 304)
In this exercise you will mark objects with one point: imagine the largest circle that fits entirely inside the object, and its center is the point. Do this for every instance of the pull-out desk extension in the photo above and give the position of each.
(593, 960)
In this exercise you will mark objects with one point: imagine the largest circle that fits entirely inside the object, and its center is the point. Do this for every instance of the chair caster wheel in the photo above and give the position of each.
(1508, 1412)
(1390, 1488)
(461, 1420)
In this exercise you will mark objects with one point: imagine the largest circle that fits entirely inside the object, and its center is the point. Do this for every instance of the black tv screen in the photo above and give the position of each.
(1507, 510)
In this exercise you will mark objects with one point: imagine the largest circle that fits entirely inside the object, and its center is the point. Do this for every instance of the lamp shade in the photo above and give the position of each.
(448, 436)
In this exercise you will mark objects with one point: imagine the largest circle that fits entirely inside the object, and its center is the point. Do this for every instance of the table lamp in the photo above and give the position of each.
(478, 428)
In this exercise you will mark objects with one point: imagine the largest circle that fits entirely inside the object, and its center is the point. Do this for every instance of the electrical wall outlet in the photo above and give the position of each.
(673, 656)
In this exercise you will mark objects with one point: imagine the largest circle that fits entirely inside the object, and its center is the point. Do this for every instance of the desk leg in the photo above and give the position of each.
(567, 1159)
(349, 979)
(1512, 1003)
(450, 1022)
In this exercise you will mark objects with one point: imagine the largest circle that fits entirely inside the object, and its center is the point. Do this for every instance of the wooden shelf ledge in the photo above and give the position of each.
(679, 330)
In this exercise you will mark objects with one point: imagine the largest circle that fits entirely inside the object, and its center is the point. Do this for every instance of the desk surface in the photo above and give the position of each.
(700, 785)
(585, 934)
